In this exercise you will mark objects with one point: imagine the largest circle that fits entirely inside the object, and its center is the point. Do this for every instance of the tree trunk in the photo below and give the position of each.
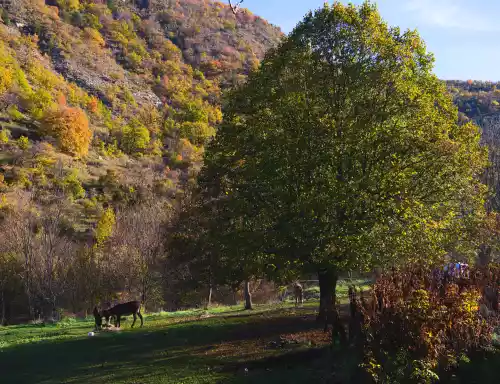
(27, 289)
(209, 301)
(484, 255)
(327, 285)
(143, 295)
(2, 320)
(248, 296)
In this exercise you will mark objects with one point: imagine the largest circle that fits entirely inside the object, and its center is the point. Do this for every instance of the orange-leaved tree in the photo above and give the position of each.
(70, 127)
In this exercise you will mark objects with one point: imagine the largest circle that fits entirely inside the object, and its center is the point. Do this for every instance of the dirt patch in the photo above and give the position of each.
(315, 337)
(264, 345)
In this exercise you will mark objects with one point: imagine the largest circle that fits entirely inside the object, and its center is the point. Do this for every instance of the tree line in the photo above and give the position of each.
(46, 268)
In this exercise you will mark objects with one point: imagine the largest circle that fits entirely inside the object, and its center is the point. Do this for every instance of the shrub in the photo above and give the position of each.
(113, 150)
(23, 143)
(134, 60)
(135, 137)
(229, 25)
(14, 113)
(91, 21)
(70, 127)
(6, 77)
(22, 82)
(196, 132)
(4, 136)
(426, 325)
(156, 148)
(5, 16)
(128, 97)
(93, 105)
(94, 36)
(195, 112)
(69, 5)
(22, 178)
(72, 186)
(116, 76)
(76, 18)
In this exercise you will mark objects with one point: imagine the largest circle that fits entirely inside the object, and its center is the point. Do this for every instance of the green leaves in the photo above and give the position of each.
(344, 150)
(135, 137)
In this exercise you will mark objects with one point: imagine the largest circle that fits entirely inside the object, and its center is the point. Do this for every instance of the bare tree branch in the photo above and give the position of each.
(236, 6)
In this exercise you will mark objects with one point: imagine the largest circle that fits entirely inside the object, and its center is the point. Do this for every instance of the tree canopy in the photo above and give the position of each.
(70, 126)
(342, 151)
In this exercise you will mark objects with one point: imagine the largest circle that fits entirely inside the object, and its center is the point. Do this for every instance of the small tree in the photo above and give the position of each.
(4, 136)
(196, 132)
(105, 226)
(138, 239)
(43, 248)
(10, 280)
(135, 137)
(5, 16)
(70, 127)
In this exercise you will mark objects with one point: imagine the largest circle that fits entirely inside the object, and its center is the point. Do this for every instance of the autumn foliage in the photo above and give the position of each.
(93, 105)
(422, 323)
(70, 127)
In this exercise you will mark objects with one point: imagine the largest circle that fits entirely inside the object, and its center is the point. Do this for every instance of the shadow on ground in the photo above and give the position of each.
(167, 354)
(199, 351)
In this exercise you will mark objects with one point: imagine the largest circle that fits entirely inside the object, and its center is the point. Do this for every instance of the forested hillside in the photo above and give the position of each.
(479, 101)
(105, 109)
(475, 98)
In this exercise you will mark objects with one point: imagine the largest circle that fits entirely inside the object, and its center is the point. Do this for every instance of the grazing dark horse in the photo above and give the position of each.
(131, 308)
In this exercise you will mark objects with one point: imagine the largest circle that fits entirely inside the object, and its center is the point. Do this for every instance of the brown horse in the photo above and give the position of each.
(298, 292)
(131, 308)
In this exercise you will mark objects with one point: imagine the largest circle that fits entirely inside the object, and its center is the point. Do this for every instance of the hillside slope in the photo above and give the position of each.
(479, 101)
(105, 109)
(147, 74)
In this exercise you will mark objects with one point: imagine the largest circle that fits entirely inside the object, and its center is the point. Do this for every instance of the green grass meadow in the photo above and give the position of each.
(171, 348)
(270, 344)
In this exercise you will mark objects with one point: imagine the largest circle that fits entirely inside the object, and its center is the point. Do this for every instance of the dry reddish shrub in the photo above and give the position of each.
(420, 324)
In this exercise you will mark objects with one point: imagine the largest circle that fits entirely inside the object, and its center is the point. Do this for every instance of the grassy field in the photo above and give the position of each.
(219, 345)
(270, 344)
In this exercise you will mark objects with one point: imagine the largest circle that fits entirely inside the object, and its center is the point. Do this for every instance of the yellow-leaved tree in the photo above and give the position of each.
(105, 226)
(70, 127)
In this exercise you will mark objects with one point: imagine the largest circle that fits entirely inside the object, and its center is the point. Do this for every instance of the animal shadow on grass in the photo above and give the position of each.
(145, 352)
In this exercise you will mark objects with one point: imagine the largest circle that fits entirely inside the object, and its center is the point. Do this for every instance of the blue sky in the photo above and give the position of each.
(464, 35)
